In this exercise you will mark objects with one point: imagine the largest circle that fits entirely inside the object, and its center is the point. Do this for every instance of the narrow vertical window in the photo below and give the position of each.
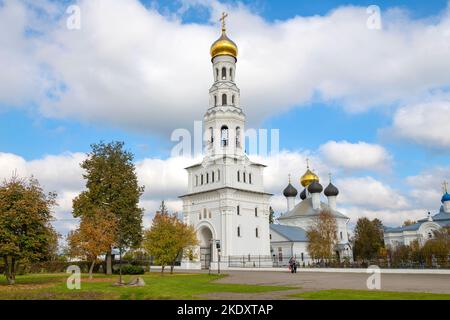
(217, 74)
(196, 181)
(238, 137)
(245, 177)
(224, 99)
(341, 235)
(212, 177)
(224, 73)
(238, 231)
(232, 99)
(256, 212)
(239, 176)
(215, 101)
(207, 178)
(224, 136)
(218, 175)
(238, 209)
(250, 178)
(231, 74)
(201, 179)
(257, 232)
(211, 135)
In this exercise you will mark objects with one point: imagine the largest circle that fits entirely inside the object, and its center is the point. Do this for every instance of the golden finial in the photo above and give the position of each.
(222, 19)
(445, 186)
(307, 163)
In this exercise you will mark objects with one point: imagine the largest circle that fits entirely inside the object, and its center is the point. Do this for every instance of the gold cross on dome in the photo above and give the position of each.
(307, 163)
(445, 185)
(330, 176)
(224, 16)
(289, 178)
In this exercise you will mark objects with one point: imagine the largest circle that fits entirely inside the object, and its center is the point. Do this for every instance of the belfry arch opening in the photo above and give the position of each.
(205, 238)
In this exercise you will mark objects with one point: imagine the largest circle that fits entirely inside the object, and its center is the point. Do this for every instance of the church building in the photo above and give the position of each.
(288, 236)
(226, 201)
(423, 229)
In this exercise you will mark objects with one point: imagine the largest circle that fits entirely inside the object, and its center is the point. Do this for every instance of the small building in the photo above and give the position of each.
(423, 229)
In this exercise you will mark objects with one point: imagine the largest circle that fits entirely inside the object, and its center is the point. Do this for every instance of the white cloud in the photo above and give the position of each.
(356, 156)
(426, 187)
(166, 180)
(366, 192)
(427, 124)
(133, 67)
(390, 218)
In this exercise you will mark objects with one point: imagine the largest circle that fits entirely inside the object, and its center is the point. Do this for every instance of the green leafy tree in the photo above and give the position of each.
(26, 234)
(112, 186)
(167, 238)
(368, 239)
(271, 215)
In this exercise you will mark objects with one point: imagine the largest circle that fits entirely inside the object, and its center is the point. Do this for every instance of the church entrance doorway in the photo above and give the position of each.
(205, 238)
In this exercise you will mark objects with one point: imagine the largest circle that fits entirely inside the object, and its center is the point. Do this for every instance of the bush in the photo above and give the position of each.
(129, 269)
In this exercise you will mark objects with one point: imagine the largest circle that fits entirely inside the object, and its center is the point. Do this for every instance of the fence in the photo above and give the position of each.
(249, 261)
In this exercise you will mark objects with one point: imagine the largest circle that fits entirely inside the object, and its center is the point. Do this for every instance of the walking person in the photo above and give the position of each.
(293, 265)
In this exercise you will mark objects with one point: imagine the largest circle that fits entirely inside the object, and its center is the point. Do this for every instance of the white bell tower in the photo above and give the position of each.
(226, 201)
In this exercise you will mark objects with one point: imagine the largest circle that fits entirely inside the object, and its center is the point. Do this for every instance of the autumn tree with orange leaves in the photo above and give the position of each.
(93, 237)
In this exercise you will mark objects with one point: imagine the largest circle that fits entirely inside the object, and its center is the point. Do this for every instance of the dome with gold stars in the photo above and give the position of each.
(224, 45)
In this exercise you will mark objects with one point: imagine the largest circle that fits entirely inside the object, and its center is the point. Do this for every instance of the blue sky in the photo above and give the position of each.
(308, 121)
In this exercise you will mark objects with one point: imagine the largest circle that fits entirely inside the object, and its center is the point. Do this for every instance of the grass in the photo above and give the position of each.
(176, 286)
(340, 294)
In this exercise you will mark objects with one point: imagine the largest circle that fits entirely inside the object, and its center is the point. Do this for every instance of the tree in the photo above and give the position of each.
(438, 247)
(167, 238)
(408, 223)
(271, 215)
(26, 234)
(93, 237)
(322, 236)
(368, 238)
(112, 186)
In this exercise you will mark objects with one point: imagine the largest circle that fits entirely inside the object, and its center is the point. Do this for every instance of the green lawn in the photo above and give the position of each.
(176, 286)
(369, 295)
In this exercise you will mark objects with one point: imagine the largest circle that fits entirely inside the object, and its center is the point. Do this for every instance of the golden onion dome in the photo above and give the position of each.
(224, 46)
(308, 178)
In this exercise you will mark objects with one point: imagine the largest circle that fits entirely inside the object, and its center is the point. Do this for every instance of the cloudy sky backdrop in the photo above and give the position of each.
(370, 106)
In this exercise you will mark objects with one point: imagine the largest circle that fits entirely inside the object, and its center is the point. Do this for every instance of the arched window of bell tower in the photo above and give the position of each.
(215, 101)
(224, 73)
(224, 99)
(238, 137)
(217, 74)
(224, 136)
(231, 74)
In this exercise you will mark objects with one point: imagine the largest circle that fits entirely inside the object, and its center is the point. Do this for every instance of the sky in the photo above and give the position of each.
(369, 105)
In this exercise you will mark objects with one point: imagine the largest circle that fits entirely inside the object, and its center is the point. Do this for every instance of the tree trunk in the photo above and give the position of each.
(108, 263)
(120, 265)
(91, 269)
(13, 268)
(171, 267)
(8, 271)
(162, 269)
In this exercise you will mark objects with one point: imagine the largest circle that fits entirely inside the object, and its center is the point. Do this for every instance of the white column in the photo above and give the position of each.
(316, 200)
(447, 206)
(332, 202)
(290, 203)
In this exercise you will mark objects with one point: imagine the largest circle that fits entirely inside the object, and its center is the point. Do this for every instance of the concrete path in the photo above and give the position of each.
(310, 281)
